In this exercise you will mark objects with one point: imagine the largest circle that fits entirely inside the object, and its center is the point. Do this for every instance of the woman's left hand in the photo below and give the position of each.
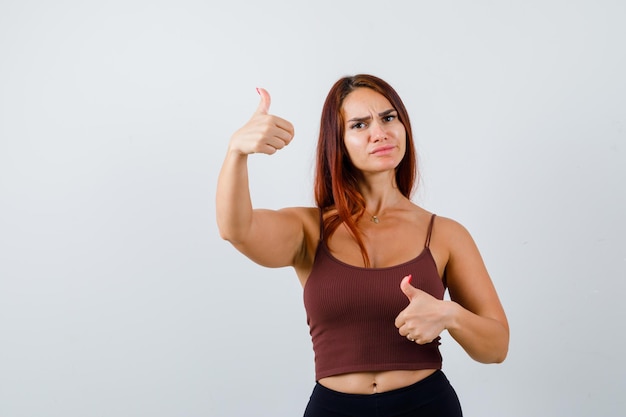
(424, 318)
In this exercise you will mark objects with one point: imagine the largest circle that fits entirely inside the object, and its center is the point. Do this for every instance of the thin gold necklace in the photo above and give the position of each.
(373, 217)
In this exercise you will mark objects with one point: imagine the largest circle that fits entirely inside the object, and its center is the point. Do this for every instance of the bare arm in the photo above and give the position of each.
(474, 317)
(270, 238)
(477, 320)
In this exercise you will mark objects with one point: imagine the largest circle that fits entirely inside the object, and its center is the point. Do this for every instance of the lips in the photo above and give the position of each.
(382, 149)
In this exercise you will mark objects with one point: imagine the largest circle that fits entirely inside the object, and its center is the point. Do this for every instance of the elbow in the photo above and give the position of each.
(500, 357)
(496, 354)
(500, 348)
(231, 232)
(493, 357)
(491, 351)
(229, 237)
(224, 233)
(504, 352)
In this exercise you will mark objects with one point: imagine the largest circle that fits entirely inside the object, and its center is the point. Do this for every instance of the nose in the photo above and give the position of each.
(378, 132)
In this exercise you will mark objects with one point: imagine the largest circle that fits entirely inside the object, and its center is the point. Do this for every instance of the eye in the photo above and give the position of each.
(390, 118)
(357, 125)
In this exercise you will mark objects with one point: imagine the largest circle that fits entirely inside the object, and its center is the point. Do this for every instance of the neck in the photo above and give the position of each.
(376, 208)
(381, 194)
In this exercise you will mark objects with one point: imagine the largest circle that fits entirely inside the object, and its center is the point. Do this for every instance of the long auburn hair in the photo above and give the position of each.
(336, 178)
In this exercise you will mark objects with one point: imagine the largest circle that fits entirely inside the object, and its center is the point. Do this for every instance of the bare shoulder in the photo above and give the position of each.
(464, 264)
(450, 232)
(308, 216)
(449, 240)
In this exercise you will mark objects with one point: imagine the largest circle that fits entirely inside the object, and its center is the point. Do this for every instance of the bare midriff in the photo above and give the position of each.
(374, 382)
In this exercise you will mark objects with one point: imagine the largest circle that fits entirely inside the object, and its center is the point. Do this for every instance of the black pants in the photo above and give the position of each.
(430, 397)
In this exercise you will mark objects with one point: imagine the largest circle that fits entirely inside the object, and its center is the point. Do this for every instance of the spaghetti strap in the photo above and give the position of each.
(430, 231)
(321, 225)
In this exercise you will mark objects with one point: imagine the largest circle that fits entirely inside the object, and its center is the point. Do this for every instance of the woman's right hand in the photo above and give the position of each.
(263, 133)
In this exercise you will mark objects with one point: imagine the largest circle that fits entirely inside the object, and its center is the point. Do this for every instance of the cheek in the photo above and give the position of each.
(352, 145)
(403, 145)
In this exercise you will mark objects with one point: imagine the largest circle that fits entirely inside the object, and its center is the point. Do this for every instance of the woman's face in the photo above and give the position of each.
(374, 136)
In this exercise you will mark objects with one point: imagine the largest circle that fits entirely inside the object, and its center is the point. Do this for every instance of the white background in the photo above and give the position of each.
(117, 296)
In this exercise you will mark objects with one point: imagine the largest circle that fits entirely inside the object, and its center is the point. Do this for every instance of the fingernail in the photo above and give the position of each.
(258, 91)
(410, 278)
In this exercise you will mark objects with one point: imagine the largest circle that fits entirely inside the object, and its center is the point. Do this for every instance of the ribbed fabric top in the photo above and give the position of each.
(351, 313)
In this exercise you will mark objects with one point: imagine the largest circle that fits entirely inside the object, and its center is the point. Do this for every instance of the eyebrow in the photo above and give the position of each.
(381, 114)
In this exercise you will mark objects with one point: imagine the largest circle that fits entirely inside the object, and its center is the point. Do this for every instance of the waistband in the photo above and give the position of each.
(431, 396)
(433, 380)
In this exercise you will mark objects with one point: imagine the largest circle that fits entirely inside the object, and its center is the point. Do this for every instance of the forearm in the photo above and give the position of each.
(233, 204)
(485, 339)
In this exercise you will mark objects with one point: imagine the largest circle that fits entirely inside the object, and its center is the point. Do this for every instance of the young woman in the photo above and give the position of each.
(374, 266)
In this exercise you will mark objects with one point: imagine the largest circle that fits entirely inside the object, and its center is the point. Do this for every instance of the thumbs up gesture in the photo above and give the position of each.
(263, 133)
(424, 318)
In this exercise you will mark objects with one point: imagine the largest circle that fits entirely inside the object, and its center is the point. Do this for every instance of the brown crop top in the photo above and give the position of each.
(351, 313)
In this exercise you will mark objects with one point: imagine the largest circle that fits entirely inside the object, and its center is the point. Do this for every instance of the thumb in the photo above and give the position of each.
(406, 287)
(264, 105)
